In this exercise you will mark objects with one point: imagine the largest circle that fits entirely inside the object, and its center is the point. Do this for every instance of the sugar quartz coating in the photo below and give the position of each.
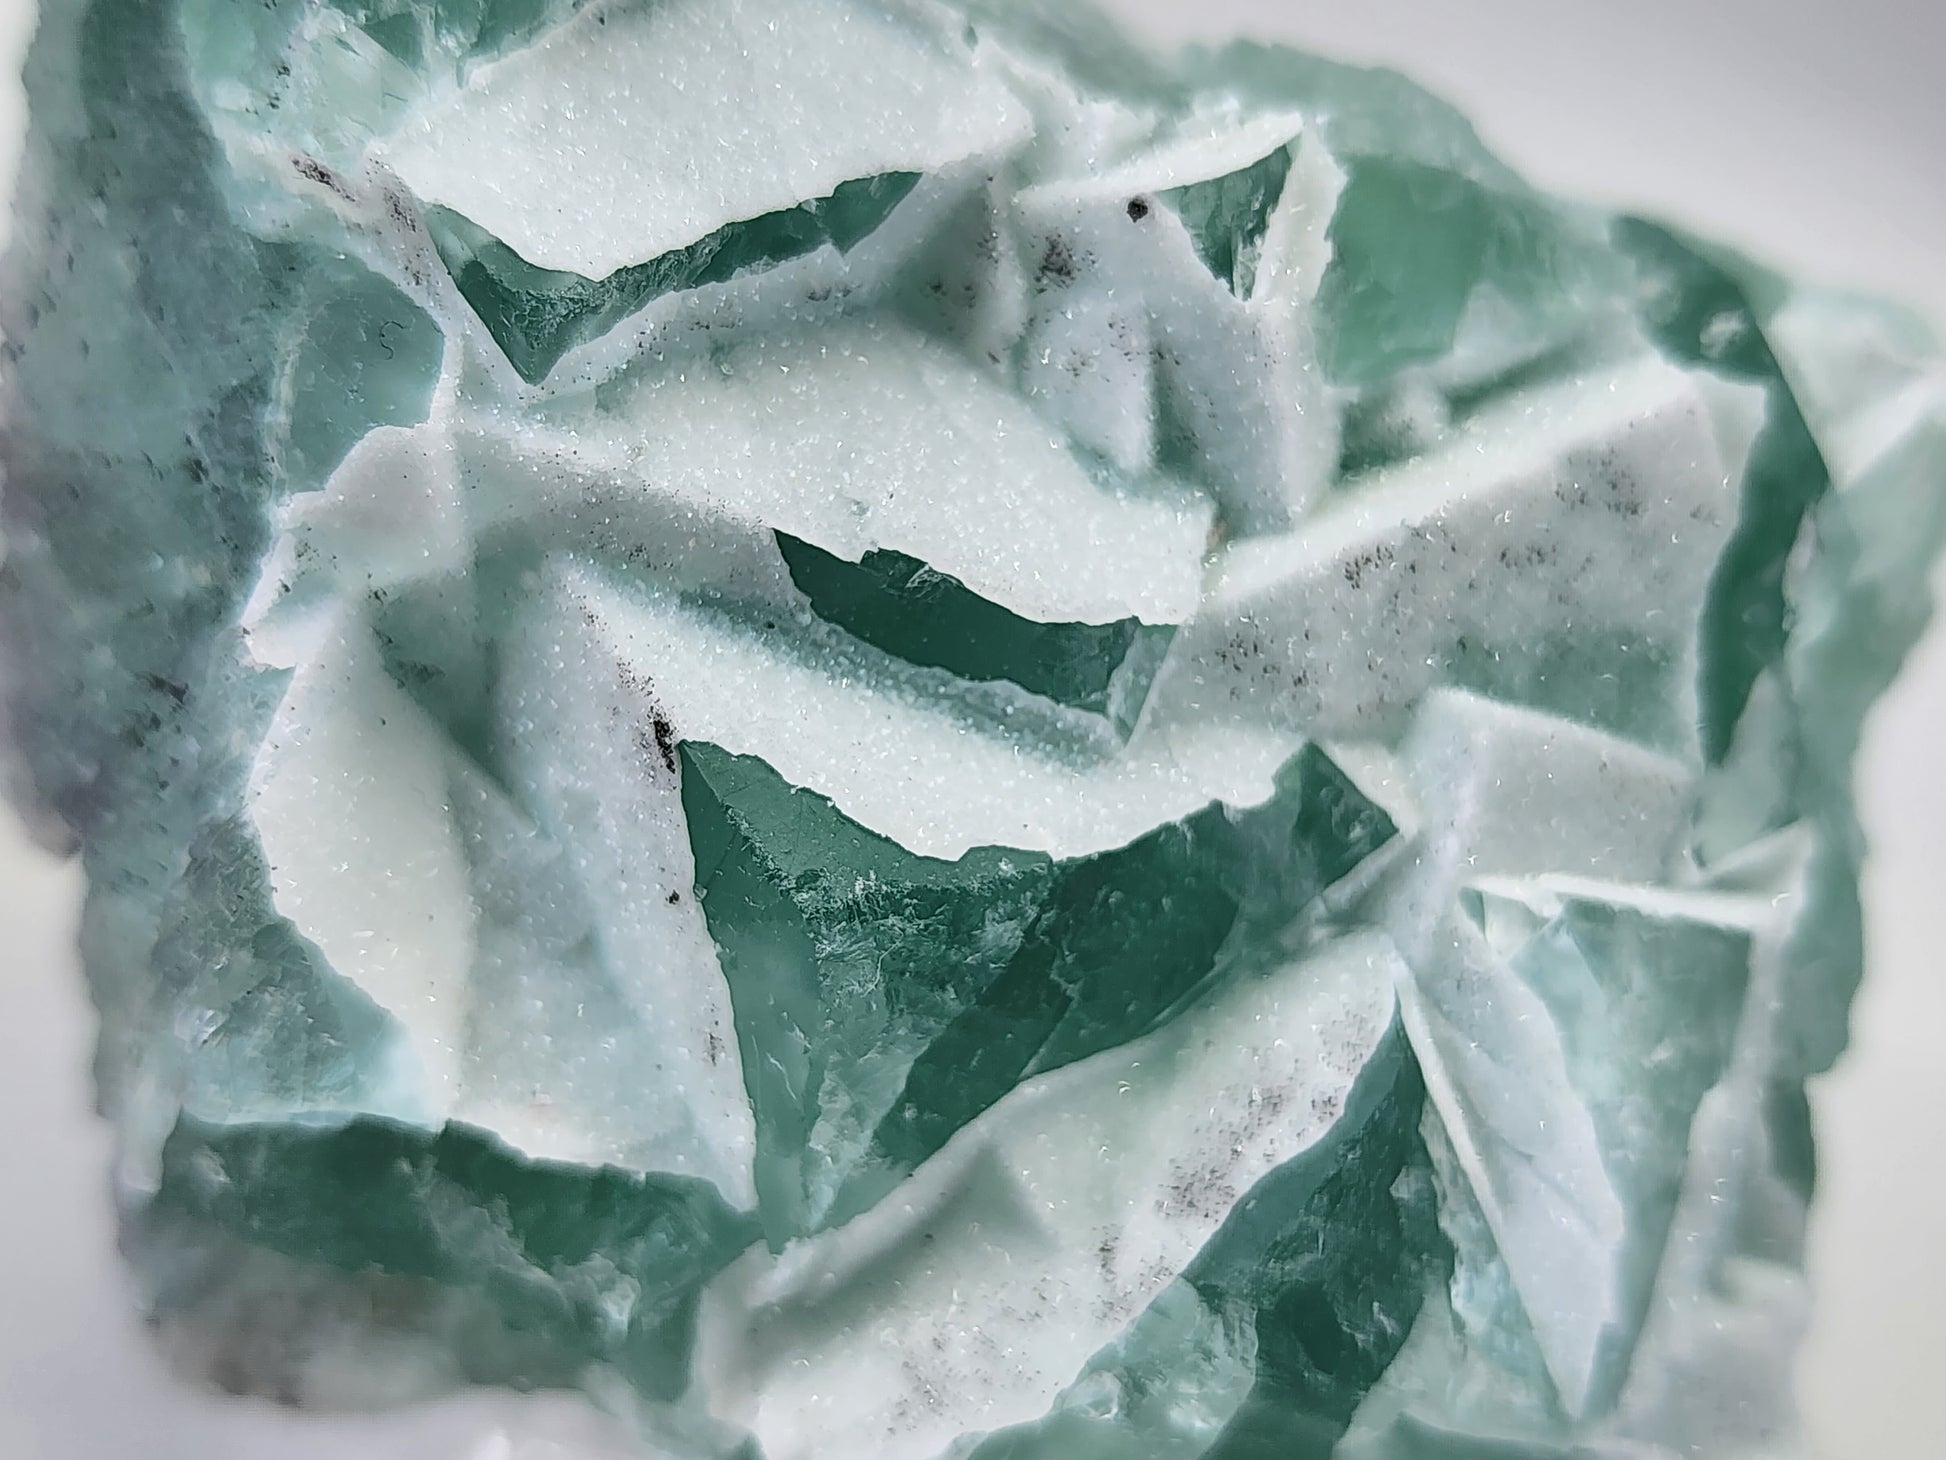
(895, 733)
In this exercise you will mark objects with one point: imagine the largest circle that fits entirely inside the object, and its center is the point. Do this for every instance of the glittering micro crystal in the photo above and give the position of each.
(898, 734)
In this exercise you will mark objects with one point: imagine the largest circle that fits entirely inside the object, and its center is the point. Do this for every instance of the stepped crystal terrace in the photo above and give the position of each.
(896, 733)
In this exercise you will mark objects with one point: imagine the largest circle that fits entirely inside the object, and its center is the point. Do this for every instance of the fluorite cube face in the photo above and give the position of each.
(895, 733)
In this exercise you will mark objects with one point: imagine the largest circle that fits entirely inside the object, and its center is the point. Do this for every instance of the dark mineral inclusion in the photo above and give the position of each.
(896, 733)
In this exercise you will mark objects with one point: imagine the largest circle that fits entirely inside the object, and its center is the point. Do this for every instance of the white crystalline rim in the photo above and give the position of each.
(788, 290)
(590, 150)
(347, 796)
(1734, 911)
(1480, 771)
(1604, 498)
(1522, 437)
(1143, 320)
(1523, 791)
(1553, 1212)
(908, 770)
(1204, 147)
(869, 435)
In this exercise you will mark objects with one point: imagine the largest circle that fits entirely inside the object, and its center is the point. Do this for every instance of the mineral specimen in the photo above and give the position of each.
(894, 733)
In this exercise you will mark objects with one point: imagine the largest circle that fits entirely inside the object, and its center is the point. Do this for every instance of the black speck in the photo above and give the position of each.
(323, 176)
(665, 741)
(175, 691)
(1138, 209)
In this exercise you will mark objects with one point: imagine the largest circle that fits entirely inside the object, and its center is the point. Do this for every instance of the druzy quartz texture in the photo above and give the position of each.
(895, 733)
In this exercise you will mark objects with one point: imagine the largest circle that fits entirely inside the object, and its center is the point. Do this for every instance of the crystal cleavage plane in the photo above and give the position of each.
(896, 734)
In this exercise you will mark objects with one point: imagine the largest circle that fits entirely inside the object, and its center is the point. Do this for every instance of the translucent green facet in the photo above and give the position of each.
(1226, 216)
(885, 999)
(361, 355)
(537, 315)
(846, 956)
(279, 1029)
(472, 29)
(1701, 313)
(1630, 990)
(980, 834)
(1325, 1329)
(1412, 247)
(898, 604)
(1286, 1319)
(593, 1264)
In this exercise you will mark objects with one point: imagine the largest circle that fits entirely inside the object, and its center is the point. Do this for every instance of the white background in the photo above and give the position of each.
(1809, 131)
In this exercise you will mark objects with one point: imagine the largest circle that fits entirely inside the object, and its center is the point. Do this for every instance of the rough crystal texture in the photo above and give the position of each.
(897, 734)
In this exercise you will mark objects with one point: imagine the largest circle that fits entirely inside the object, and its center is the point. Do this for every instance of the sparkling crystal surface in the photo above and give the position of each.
(894, 733)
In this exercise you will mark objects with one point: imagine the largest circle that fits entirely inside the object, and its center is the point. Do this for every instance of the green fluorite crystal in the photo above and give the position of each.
(884, 999)
(537, 315)
(923, 616)
(894, 733)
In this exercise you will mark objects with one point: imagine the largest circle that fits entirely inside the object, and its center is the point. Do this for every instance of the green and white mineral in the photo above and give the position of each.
(897, 734)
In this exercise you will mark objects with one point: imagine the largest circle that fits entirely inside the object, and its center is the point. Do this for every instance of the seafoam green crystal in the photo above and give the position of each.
(894, 733)
(1226, 216)
(923, 616)
(885, 999)
(537, 315)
